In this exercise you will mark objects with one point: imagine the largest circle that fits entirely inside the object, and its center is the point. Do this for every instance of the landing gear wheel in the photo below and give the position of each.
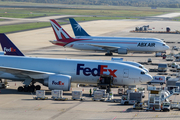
(38, 87)
(32, 88)
(20, 89)
(109, 54)
(26, 88)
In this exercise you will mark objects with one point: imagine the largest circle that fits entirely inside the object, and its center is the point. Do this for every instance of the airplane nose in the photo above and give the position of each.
(149, 77)
(167, 47)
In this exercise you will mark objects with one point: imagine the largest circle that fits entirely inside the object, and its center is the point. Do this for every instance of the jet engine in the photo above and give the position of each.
(58, 82)
(122, 51)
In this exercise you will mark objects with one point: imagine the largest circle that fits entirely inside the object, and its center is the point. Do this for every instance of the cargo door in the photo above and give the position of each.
(126, 73)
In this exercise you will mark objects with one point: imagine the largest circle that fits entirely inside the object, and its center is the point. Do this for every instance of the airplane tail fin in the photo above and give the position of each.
(8, 47)
(59, 32)
(62, 36)
(78, 30)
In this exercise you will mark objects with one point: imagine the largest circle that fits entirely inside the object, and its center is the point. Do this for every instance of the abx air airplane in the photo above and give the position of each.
(120, 45)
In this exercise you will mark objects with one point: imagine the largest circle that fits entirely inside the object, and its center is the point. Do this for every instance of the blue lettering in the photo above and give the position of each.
(97, 73)
(87, 71)
(94, 71)
(79, 68)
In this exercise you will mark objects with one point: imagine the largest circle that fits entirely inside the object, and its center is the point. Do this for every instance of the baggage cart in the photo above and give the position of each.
(98, 96)
(58, 95)
(40, 95)
(77, 95)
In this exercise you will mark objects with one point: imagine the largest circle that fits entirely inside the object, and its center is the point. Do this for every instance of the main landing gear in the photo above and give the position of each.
(109, 54)
(31, 88)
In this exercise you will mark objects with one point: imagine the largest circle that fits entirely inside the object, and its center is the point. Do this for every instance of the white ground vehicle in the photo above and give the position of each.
(131, 98)
(138, 106)
(169, 58)
(175, 48)
(175, 105)
(158, 80)
(142, 90)
(166, 106)
(174, 65)
(162, 67)
(158, 54)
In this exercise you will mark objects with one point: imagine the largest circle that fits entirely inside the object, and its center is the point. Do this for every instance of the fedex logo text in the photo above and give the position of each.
(9, 49)
(57, 83)
(158, 78)
(95, 71)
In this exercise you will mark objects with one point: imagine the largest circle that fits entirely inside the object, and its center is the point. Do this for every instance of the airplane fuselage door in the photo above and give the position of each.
(125, 73)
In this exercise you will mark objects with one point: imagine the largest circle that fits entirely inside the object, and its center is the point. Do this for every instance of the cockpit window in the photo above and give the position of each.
(163, 44)
(140, 67)
(142, 73)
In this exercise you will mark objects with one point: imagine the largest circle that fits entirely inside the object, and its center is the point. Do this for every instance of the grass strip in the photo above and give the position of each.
(27, 26)
(29, 12)
(100, 18)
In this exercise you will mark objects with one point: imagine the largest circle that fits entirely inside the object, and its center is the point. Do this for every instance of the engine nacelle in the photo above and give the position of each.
(58, 82)
(122, 51)
(2, 53)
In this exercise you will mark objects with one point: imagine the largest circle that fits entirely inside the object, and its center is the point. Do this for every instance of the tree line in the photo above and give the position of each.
(136, 3)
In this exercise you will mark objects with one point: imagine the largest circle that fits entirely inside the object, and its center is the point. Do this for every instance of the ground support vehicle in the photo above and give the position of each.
(166, 106)
(158, 98)
(142, 90)
(58, 95)
(105, 82)
(131, 98)
(98, 96)
(40, 95)
(77, 95)
(175, 105)
(138, 106)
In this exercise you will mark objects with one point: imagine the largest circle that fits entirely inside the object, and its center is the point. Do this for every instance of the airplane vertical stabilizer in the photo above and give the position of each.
(8, 47)
(78, 30)
(59, 32)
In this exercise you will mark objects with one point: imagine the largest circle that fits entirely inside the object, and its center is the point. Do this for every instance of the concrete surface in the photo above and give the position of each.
(18, 106)
(169, 15)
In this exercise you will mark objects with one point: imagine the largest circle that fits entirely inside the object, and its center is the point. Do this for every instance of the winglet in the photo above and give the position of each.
(8, 47)
(78, 30)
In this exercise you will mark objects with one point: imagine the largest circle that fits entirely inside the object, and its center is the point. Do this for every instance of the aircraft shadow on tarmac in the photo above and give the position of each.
(86, 54)
(75, 54)
(12, 91)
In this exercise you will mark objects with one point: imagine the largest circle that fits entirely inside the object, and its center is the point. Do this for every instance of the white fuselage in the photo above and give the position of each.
(81, 71)
(118, 38)
(131, 44)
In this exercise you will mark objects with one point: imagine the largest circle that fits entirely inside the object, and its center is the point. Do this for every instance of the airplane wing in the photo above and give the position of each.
(24, 73)
(106, 47)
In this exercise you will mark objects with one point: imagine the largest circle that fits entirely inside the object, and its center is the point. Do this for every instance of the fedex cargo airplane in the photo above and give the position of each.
(59, 73)
(110, 45)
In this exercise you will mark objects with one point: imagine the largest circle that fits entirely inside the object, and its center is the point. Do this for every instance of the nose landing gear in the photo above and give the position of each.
(109, 54)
